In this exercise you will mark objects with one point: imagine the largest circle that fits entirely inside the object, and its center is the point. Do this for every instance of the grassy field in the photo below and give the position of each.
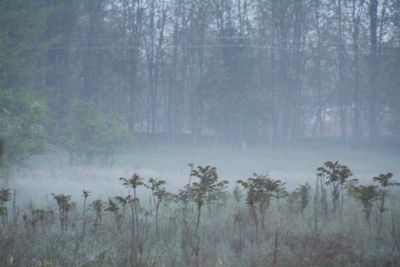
(207, 225)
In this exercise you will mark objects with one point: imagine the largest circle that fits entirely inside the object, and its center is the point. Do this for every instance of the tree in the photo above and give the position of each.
(366, 194)
(21, 128)
(90, 134)
(385, 182)
(159, 193)
(206, 190)
(93, 58)
(302, 196)
(335, 175)
(262, 71)
(260, 190)
(61, 25)
(23, 25)
(5, 196)
(134, 182)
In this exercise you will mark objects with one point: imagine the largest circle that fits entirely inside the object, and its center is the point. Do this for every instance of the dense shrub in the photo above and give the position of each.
(91, 134)
(21, 127)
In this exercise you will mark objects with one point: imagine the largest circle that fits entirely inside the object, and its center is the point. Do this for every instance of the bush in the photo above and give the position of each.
(91, 134)
(21, 127)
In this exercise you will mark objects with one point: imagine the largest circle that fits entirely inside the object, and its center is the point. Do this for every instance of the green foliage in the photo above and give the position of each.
(208, 188)
(115, 210)
(22, 24)
(38, 216)
(90, 134)
(123, 200)
(366, 194)
(158, 190)
(97, 206)
(65, 206)
(302, 196)
(134, 182)
(260, 189)
(227, 238)
(5, 196)
(21, 128)
(112, 206)
(334, 172)
(159, 193)
(385, 180)
(335, 175)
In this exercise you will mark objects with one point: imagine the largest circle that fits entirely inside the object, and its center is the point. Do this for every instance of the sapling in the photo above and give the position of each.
(159, 193)
(276, 248)
(114, 209)
(260, 190)
(252, 198)
(123, 201)
(395, 229)
(64, 207)
(237, 194)
(302, 196)
(5, 196)
(133, 204)
(366, 194)
(335, 176)
(134, 182)
(6, 241)
(146, 213)
(207, 190)
(239, 217)
(385, 182)
(98, 208)
(15, 210)
(85, 195)
(184, 196)
(320, 198)
(40, 216)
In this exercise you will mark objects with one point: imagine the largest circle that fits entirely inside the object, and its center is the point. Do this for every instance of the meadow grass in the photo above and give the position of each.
(230, 231)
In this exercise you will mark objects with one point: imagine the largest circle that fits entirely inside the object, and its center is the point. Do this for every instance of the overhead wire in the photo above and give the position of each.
(243, 45)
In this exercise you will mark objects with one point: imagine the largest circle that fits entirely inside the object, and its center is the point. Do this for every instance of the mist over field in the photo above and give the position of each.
(199, 133)
(52, 174)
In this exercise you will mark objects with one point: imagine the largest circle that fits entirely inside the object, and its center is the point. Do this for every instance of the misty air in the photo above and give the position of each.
(199, 133)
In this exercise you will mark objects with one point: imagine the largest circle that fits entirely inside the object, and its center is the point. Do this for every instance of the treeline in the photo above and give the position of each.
(274, 71)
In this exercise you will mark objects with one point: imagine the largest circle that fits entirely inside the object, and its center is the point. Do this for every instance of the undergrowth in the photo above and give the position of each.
(335, 222)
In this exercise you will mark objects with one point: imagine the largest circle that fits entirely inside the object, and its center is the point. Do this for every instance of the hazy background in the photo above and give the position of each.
(93, 90)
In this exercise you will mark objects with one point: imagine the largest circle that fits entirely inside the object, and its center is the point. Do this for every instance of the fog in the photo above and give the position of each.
(97, 90)
(288, 99)
(52, 173)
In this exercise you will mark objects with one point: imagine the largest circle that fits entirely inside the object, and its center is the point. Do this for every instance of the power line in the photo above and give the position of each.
(204, 46)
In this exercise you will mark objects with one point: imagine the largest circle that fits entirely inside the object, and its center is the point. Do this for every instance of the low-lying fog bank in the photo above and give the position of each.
(51, 173)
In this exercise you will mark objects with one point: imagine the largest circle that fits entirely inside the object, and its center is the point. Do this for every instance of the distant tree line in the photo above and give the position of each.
(274, 71)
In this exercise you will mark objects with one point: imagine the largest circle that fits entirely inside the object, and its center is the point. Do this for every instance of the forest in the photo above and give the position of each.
(199, 133)
(236, 71)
